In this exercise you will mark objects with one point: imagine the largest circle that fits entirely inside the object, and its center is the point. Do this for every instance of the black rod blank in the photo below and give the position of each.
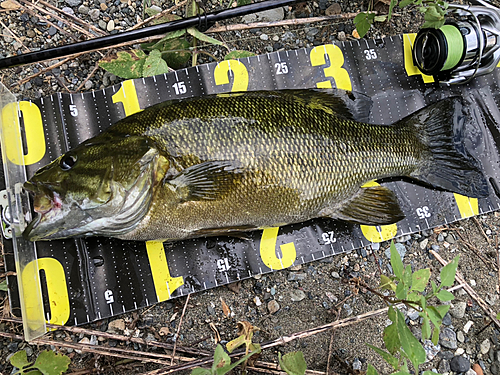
(111, 40)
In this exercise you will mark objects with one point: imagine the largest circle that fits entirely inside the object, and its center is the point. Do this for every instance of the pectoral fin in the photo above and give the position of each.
(375, 205)
(206, 181)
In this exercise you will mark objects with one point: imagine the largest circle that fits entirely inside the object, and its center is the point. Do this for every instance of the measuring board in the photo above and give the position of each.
(87, 279)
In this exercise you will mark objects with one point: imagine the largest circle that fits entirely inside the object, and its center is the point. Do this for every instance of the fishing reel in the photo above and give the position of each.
(463, 48)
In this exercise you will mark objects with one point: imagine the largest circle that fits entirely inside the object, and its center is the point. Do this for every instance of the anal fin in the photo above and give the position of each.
(374, 205)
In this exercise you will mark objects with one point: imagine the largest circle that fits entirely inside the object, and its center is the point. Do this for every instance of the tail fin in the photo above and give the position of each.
(449, 166)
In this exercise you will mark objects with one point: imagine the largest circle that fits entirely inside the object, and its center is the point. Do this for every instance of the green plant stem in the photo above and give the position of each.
(388, 299)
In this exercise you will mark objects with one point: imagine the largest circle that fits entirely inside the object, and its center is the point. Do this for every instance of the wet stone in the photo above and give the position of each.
(459, 364)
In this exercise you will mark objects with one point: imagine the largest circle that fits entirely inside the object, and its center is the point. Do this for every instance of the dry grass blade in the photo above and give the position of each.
(156, 16)
(74, 18)
(179, 328)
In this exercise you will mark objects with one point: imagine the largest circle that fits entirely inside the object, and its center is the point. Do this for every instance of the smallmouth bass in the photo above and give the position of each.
(218, 164)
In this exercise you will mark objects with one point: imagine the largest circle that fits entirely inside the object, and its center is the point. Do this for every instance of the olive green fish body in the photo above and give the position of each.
(218, 164)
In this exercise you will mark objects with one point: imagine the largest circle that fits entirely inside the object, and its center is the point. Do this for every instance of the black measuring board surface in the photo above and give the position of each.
(93, 278)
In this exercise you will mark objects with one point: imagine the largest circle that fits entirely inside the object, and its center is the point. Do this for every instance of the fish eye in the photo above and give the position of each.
(67, 162)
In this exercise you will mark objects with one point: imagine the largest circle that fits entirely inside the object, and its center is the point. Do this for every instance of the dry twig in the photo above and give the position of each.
(472, 293)
(179, 328)
(156, 16)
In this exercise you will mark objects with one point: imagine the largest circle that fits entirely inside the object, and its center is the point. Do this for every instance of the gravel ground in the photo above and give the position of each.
(285, 302)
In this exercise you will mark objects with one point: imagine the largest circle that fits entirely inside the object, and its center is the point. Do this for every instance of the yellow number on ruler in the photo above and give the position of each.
(411, 69)
(335, 70)
(165, 284)
(240, 74)
(467, 206)
(268, 250)
(56, 288)
(33, 128)
(378, 233)
(127, 95)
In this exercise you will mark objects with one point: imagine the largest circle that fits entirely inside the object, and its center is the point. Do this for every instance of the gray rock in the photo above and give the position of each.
(297, 295)
(68, 10)
(335, 275)
(347, 308)
(356, 365)
(266, 16)
(459, 364)
(447, 320)
(485, 346)
(495, 369)
(82, 9)
(444, 366)
(448, 338)
(288, 36)
(450, 239)
(264, 37)
(431, 350)
(29, 351)
(88, 85)
(400, 248)
(156, 8)
(94, 14)
(294, 276)
(460, 336)
(458, 310)
(73, 3)
(103, 24)
(52, 31)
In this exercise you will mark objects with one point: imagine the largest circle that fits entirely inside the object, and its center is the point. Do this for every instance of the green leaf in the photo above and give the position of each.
(420, 278)
(432, 14)
(386, 283)
(444, 295)
(402, 372)
(442, 310)
(434, 287)
(498, 316)
(380, 18)
(19, 359)
(205, 38)
(371, 370)
(427, 372)
(180, 57)
(389, 358)
(51, 363)
(448, 272)
(434, 316)
(293, 363)
(435, 335)
(360, 17)
(229, 367)
(401, 291)
(363, 26)
(201, 371)
(407, 277)
(221, 358)
(161, 43)
(433, 24)
(238, 54)
(192, 9)
(396, 263)
(243, 2)
(154, 64)
(412, 348)
(391, 7)
(126, 64)
(415, 297)
(405, 3)
(391, 338)
(151, 12)
(426, 326)
(3, 286)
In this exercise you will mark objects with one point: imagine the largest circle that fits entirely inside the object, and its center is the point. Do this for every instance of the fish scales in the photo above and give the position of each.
(217, 164)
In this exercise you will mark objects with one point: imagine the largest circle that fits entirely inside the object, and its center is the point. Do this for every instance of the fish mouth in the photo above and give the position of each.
(47, 204)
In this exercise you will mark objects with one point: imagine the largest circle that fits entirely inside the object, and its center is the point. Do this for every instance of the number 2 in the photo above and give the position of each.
(281, 68)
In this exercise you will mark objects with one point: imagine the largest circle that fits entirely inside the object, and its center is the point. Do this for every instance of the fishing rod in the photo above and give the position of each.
(202, 21)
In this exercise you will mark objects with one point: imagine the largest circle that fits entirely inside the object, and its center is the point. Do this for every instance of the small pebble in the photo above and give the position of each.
(297, 295)
(273, 306)
(460, 336)
(257, 301)
(264, 37)
(457, 310)
(423, 243)
(467, 326)
(459, 364)
(335, 275)
(485, 346)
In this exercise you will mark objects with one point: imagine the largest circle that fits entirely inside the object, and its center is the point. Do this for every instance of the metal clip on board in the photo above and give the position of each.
(15, 215)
